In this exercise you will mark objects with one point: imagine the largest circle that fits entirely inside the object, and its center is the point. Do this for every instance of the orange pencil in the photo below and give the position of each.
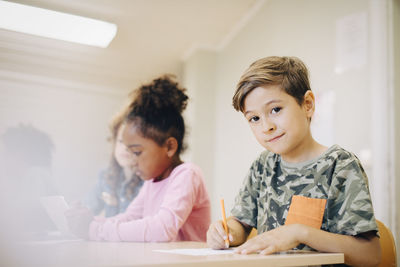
(224, 223)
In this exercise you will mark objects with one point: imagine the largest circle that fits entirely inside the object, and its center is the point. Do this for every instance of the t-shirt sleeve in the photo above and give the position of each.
(245, 208)
(349, 206)
(163, 226)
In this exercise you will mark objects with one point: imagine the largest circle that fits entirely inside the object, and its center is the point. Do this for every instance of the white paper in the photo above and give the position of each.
(196, 251)
(55, 207)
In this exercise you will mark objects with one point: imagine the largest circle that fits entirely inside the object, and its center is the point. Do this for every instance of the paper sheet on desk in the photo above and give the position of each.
(196, 251)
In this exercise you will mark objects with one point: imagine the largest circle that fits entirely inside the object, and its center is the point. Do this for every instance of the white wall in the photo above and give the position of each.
(199, 79)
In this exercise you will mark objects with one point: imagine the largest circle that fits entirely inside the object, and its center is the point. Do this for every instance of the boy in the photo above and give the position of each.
(298, 193)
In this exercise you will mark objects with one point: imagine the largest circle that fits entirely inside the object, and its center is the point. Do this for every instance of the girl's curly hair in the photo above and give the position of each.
(157, 110)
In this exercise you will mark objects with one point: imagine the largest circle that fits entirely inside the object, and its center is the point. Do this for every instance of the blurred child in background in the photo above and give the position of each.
(25, 177)
(118, 185)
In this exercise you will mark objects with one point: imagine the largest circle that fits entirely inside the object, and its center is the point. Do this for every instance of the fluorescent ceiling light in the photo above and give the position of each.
(56, 25)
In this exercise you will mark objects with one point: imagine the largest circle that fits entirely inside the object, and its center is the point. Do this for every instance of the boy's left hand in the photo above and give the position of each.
(280, 239)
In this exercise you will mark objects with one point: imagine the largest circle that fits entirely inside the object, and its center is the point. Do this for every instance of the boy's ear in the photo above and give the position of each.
(171, 144)
(309, 103)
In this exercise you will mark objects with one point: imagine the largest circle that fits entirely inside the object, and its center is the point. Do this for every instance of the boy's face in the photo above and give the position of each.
(278, 122)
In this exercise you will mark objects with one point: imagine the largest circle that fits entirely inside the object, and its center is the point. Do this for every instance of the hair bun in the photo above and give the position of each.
(156, 110)
(161, 94)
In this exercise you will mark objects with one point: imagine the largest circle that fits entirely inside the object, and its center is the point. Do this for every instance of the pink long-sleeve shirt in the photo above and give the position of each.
(176, 208)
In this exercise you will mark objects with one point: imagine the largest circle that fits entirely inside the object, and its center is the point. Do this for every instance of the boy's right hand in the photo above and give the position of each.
(216, 236)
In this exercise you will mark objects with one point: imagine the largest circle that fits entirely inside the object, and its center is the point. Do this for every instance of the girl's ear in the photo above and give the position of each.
(171, 145)
(309, 103)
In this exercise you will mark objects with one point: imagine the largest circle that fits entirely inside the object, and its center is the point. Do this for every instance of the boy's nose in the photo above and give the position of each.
(268, 126)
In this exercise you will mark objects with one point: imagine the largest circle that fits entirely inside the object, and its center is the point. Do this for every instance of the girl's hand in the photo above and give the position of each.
(79, 218)
(216, 236)
(280, 239)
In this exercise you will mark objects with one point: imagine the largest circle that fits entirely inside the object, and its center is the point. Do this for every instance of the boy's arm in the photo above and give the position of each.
(363, 250)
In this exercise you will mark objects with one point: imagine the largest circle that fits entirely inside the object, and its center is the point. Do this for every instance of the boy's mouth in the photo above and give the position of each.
(275, 138)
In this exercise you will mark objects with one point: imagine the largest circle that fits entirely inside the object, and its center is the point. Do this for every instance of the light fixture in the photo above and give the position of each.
(56, 25)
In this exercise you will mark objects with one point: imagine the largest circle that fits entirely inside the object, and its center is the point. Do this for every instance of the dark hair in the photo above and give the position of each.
(288, 72)
(157, 110)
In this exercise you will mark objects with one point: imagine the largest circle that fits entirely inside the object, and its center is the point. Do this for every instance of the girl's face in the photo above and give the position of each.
(278, 122)
(121, 152)
(150, 160)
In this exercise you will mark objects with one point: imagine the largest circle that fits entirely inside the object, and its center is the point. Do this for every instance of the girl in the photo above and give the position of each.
(173, 204)
(118, 185)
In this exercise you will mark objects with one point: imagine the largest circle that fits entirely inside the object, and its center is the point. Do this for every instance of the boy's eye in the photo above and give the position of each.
(276, 110)
(254, 119)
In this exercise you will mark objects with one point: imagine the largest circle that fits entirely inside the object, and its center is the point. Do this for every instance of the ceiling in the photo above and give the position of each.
(153, 37)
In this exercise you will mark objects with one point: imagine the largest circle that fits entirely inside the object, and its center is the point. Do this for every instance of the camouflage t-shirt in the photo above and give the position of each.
(336, 176)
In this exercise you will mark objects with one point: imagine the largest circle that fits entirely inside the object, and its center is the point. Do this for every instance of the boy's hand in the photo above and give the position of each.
(79, 218)
(280, 239)
(216, 236)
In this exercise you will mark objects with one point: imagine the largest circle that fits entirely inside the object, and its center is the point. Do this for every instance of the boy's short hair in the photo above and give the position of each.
(288, 72)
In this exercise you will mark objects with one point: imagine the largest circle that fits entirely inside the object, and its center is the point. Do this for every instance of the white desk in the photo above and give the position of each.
(83, 253)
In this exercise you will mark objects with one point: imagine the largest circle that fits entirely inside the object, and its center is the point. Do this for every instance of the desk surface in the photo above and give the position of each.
(84, 253)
